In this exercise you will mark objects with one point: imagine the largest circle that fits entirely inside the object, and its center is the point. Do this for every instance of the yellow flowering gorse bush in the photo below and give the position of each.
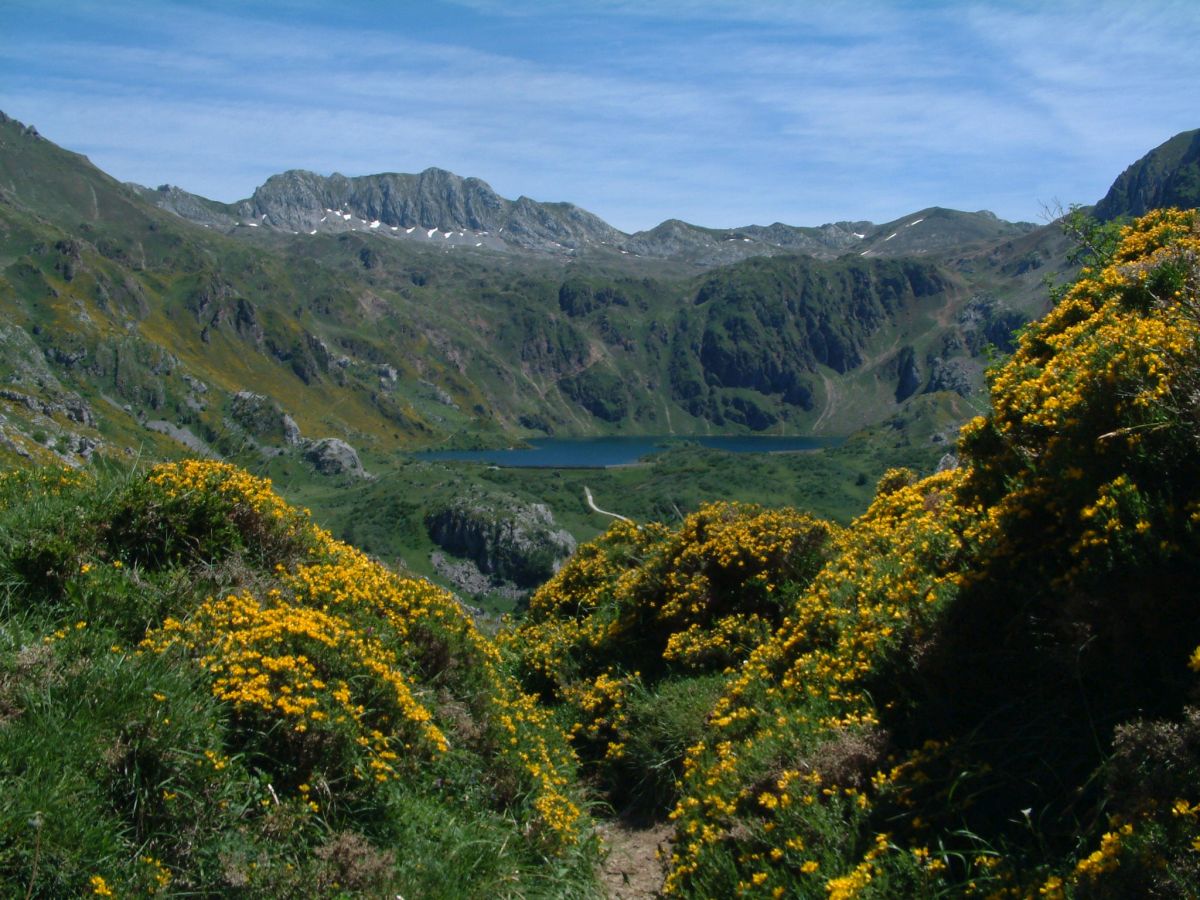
(643, 602)
(890, 571)
(338, 660)
(1068, 534)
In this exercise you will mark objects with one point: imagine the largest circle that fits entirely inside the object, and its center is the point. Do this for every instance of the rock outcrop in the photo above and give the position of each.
(333, 456)
(1169, 175)
(433, 200)
(71, 406)
(506, 539)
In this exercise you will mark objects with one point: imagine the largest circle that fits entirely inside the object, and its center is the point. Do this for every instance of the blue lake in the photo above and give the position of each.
(598, 453)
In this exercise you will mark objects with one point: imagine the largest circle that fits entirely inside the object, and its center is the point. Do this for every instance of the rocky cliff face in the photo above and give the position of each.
(504, 538)
(1169, 175)
(440, 204)
(757, 334)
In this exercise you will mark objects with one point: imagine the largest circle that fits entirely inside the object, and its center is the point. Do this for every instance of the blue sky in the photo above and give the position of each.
(719, 112)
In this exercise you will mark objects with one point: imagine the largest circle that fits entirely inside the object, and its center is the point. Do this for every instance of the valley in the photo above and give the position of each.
(324, 327)
(355, 322)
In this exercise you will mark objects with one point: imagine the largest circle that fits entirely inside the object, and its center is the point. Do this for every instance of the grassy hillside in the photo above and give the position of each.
(202, 693)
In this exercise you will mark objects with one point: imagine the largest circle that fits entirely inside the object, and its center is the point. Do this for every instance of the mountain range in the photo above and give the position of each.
(440, 208)
(327, 314)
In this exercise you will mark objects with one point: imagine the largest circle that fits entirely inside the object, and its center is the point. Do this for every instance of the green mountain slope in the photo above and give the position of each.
(1169, 175)
(127, 326)
(152, 326)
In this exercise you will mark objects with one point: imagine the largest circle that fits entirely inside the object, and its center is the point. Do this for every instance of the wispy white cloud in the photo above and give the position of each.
(716, 111)
(1109, 79)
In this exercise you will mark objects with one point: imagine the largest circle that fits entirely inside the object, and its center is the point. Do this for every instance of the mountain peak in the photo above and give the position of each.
(1169, 175)
(434, 204)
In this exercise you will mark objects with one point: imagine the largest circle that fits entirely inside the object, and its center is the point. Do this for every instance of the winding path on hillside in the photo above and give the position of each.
(587, 492)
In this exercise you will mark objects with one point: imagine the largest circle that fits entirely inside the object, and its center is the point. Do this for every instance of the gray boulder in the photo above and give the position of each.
(505, 538)
(333, 456)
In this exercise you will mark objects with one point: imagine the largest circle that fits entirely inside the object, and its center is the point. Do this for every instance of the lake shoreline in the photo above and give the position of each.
(622, 452)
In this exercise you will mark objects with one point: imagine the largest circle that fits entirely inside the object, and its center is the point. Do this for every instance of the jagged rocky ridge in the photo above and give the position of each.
(434, 205)
(439, 207)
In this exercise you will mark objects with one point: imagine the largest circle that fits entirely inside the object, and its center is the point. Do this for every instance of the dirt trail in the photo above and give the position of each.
(632, 870)
(831, 400)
